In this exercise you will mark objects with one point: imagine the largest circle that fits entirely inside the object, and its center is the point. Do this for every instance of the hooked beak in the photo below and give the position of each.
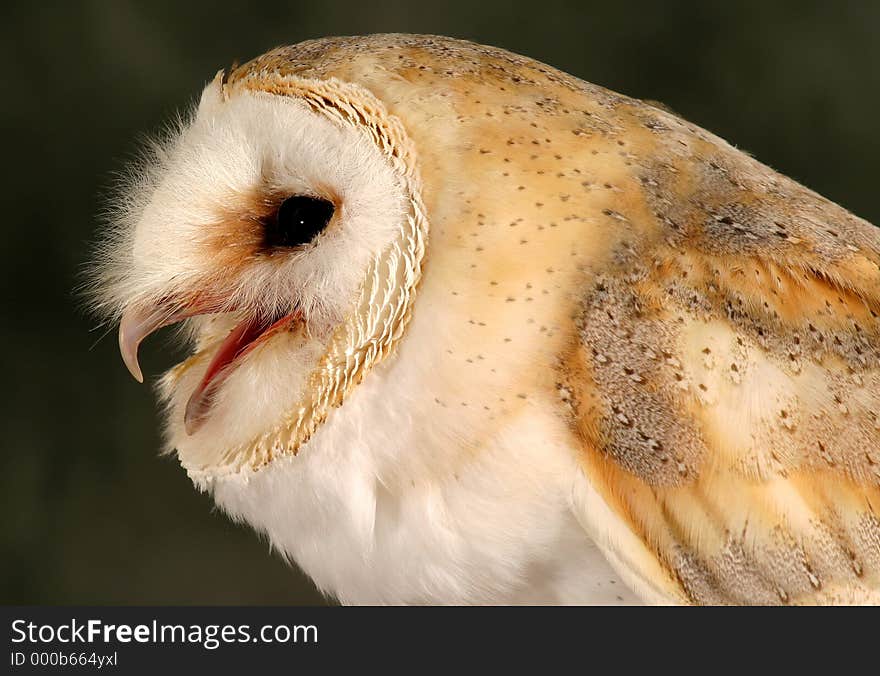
(138, 323)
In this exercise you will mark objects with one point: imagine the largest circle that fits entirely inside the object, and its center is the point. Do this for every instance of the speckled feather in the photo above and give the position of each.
(719, 352)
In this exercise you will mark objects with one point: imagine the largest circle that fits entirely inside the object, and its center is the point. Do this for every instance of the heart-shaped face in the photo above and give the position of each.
(264, 222)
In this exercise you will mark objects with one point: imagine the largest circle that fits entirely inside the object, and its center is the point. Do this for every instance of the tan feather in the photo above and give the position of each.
(722, 376)
(735, 363)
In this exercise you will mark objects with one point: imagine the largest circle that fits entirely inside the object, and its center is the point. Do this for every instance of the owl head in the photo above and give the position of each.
(282, 224)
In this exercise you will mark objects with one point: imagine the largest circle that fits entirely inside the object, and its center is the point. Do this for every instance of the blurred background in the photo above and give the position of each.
(90, 513)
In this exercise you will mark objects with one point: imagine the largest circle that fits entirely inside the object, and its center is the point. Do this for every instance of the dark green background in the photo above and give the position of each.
(90, 514)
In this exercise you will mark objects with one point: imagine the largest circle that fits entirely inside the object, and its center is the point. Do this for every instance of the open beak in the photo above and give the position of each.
(138, 323)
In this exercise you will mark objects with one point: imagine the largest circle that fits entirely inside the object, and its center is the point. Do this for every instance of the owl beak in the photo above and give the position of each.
(138, 322)
(133, 328)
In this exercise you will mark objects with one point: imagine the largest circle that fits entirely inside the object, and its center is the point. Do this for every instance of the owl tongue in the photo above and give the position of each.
(241, 340)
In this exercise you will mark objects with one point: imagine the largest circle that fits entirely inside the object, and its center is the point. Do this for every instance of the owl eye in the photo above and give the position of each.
(298, 220)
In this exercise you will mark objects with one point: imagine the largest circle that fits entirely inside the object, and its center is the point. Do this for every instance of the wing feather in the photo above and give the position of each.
(726, 383)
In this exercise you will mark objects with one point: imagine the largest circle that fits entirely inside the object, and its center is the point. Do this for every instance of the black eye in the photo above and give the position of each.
(298, 220)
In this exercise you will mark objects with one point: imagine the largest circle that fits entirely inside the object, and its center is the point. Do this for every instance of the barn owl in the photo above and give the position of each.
(467, 329)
